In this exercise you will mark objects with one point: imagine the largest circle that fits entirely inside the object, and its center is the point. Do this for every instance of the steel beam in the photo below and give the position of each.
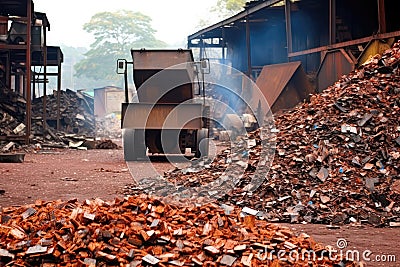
(58, 87)
(44, 116)
(28, 121)
(223, 45)
(34, 83)
(332, 22)
(248, 48)
(201, 52)
(344, 44)
(288, 26)
(381, 16)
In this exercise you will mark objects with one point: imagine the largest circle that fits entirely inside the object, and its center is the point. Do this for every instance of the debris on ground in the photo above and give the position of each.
(76, 113)
(12, 157)
(106, 144)
(109, 126)
(336, 160)
(142, 231)
(77, 121)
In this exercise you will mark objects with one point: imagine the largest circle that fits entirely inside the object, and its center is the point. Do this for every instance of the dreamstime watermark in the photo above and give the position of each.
(341, 252)
(239, 95)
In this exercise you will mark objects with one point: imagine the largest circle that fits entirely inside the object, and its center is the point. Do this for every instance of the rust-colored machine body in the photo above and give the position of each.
(166, 117)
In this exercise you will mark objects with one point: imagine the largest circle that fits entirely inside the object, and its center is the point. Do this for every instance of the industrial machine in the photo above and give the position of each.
(169, 114)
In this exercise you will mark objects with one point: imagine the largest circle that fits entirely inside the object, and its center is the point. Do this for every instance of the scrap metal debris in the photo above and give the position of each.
(332, 165)
(143, 231)
(76, 119)
(338, 165)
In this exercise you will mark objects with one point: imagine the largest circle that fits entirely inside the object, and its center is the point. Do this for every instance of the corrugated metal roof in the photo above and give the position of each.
(240, 15)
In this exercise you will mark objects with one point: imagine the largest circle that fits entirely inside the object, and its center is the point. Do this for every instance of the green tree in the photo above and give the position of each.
(227, 8)
(115, 34)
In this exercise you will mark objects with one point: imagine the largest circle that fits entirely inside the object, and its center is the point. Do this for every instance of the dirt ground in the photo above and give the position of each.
(67, 174)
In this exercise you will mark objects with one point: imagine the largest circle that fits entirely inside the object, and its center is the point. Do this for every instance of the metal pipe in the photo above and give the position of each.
(58, 87)
(223, 44)
(126, 83)
(8, 70)
(332, 21)
(381, 16)
(34, 83)
(288, 27)
(44, 81)
(201, 55)
(28, 71)
(248, 48)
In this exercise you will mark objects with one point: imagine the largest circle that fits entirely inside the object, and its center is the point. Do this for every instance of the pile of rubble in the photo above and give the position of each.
(12, 113)
(140, 231)
(77, 123)
(76, 112)
(109, 126)
(337, 156)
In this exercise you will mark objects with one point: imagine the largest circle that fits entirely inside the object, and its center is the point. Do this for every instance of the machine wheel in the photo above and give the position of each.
(202, 143)
(134, 144)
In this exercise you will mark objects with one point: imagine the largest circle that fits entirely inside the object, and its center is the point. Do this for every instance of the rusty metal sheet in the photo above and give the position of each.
(283, 85)
(163, 116)
(334, 65)
(166, 86)
(159, 59)
(163, 76)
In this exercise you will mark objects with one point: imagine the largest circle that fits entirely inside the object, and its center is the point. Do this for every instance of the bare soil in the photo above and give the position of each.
(67, 174)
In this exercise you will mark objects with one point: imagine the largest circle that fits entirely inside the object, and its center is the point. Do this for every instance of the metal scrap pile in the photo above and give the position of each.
(12, 113)
(77, 123)
(76, 112)
(337, 157)
(140, 231)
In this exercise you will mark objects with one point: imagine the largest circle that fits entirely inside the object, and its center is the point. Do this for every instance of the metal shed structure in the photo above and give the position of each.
(276, 31)
(22, 47)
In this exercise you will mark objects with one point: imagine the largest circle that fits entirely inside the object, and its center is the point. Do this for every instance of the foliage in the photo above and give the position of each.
(115, 33)
(227, 8)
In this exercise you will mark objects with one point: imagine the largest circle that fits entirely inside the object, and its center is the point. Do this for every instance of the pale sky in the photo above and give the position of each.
(173, 20)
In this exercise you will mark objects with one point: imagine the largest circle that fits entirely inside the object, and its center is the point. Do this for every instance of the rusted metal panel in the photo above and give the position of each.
(283, 85)
(160, 59)
(163, 76)
(166, 86)
(162, 116)
(335, 64)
